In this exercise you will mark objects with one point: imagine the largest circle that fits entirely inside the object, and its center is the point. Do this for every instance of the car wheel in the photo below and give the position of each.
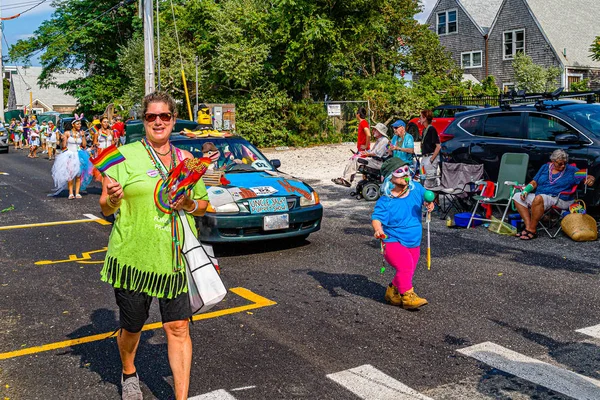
(6, 150)
(414, 132)
(371, 191)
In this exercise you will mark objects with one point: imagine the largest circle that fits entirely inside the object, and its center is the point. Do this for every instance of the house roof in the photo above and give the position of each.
(482, 12)
(569, 25)
(52, 96)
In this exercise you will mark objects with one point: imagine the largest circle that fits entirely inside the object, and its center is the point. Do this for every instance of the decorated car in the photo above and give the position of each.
(249, 198)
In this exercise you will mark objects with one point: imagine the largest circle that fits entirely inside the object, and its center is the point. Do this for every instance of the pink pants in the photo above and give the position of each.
(404, 260)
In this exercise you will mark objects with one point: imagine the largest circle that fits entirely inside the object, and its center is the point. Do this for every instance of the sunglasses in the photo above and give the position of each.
(559, 163)
(165, 117)
(402, 171)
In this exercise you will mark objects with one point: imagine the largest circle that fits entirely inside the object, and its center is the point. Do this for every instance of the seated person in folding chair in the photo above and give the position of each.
(402, 143)
(552, 179)
(379, 149)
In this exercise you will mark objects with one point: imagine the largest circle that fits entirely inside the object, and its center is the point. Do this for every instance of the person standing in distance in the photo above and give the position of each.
(363, 138)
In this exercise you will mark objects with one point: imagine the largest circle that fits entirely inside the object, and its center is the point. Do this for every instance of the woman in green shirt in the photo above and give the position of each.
(140, 262)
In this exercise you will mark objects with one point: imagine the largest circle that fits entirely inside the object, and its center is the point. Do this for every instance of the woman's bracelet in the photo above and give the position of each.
(195, 207)
(111, 204)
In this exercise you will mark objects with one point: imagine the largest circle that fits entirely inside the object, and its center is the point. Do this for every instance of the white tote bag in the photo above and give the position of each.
(205, 287)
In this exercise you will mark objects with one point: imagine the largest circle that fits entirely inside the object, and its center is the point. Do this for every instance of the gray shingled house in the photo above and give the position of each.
(23, 81)
(484, 36)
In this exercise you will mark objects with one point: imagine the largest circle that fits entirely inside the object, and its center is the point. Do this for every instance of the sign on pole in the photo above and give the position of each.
(334, 110)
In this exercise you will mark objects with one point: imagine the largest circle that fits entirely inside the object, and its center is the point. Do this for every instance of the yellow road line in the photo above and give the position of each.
(84, 259)
(75, 221)
(257, 302)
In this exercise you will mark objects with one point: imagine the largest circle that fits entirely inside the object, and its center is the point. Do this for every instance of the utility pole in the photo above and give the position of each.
(1, 69)
(149, 46)
(158, 43)
(196, 113)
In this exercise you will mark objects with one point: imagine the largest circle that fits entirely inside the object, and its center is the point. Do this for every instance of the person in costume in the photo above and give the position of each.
(220, 161)
(53, 138)
(140, 263)
(552, 179)
(396, 221)
(72, 167)
(380, 149)
(34, 142)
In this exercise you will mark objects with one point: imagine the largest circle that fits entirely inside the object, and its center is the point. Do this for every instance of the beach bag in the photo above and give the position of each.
(580, 227)
(205, 287)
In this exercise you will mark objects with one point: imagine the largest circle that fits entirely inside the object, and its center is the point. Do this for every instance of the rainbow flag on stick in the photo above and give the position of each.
(581, 174)
(107, 158)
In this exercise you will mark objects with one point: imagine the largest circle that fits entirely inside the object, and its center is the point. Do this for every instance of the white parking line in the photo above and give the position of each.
(593, 331)
(216, 395)
(368, 383)
(535, 371)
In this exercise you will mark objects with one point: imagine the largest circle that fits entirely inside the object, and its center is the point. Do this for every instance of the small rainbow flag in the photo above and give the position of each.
(581, 174)
(107, 158)
(422, 170)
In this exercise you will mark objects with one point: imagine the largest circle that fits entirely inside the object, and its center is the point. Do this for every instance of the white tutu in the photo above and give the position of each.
(68, 166)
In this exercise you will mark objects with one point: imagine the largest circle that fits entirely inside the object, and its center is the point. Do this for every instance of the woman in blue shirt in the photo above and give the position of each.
(402, 144)
(397, 221)
(552, 179)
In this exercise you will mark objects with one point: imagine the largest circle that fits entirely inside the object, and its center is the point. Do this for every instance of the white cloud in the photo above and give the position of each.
(427, 6)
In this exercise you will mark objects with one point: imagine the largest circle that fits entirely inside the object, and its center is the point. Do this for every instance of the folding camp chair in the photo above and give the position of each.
(513, 170)
(457, 183)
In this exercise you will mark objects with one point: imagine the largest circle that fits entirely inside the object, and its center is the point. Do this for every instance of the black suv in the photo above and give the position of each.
(483, 136)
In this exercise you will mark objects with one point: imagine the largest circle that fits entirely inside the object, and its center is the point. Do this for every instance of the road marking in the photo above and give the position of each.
(216, 395)
(243, 388)
(84, 259)
(593, 331)
(552, 377)
(256, 300)
(90, 218)
(367, 382)
(4, 173)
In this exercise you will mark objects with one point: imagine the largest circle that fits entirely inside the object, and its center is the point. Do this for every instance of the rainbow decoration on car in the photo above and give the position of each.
(109, 157)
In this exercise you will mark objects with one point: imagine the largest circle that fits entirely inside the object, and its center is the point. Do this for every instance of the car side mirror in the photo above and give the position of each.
(567, 138)
(275, 163)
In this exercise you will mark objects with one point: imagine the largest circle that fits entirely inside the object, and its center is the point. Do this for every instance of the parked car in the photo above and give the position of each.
(254, 201)
(442, 117)
(483, 136)
(3, 139)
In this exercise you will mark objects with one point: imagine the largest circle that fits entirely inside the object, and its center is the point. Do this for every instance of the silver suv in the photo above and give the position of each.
(3, 139)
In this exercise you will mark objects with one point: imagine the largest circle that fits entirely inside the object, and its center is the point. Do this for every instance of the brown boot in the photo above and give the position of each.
(392, 296)
(410, 300)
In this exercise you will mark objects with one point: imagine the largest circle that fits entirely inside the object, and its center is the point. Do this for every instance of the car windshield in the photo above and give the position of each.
(587, 116)
(235, 154)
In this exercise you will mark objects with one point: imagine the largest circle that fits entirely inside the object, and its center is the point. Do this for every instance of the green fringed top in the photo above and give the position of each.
(140, 256)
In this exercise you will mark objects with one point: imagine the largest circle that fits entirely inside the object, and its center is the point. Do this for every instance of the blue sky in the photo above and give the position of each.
(24, 26)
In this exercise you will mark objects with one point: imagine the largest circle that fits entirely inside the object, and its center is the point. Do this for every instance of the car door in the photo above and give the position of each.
(501, 133)
(542, 129)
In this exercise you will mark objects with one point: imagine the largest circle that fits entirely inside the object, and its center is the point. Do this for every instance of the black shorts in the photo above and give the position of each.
(134, 309)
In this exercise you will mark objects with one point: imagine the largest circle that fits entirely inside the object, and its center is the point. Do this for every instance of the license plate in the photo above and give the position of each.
(267, 205)
(274, 222)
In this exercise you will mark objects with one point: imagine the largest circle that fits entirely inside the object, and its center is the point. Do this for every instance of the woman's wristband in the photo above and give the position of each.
(195, 207)
(110, 203)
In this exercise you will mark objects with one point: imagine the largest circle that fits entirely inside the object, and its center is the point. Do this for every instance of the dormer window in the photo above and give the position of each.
(514, 42)
(446, 22)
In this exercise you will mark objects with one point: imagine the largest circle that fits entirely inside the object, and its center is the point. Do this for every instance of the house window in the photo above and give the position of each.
(470, 60)
(514, 42)
(574, 78)
(446, 22)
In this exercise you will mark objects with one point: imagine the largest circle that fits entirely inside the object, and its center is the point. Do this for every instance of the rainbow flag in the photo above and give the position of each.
(422, 171)
(581, 174)
(107, 158)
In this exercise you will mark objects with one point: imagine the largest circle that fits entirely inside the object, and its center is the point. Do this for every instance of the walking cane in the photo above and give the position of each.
(429, 197)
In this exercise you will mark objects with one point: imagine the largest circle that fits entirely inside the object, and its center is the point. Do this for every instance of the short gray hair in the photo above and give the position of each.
(559, 154)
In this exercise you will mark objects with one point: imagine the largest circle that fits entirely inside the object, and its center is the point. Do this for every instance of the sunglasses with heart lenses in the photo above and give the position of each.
(165, 117)
(400, 172)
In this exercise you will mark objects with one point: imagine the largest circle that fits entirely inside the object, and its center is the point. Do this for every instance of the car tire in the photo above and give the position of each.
(370, 191)
(414, 132)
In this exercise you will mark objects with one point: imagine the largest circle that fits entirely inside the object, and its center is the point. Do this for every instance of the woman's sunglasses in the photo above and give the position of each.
(165, 117)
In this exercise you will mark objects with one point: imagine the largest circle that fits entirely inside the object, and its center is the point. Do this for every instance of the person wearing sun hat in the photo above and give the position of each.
(396, 221)
(379, 149)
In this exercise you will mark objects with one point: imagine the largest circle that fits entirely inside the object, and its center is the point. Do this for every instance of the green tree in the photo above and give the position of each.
(534, 78)
(595, 49)
(83, 35)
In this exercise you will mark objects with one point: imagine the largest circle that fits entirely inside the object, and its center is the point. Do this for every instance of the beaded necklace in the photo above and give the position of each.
(402, 192)
(553, 180)
(175, 230)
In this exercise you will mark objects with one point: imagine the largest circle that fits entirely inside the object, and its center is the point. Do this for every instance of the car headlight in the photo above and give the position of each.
(225, 208)
(313, 201)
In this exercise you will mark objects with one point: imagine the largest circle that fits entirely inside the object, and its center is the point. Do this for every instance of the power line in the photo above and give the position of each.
(23, 12)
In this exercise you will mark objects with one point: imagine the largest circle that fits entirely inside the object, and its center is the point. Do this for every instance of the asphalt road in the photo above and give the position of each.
(330, 334)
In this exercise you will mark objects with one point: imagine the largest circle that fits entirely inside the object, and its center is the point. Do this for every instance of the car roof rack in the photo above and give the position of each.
(516, 97)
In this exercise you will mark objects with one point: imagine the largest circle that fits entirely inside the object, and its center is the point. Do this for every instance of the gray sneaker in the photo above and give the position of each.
(131, 388)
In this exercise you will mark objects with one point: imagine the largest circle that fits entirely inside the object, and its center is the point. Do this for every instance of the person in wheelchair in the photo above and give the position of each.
(373, 157)
(548, 184)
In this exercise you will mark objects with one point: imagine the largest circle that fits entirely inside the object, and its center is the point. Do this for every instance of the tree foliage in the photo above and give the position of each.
(595, 49)
(534, 78)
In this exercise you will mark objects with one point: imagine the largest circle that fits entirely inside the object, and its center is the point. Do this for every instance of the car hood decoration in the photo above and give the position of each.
(260, 184)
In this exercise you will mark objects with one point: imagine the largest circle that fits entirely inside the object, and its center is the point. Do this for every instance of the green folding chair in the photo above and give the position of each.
(513, 171)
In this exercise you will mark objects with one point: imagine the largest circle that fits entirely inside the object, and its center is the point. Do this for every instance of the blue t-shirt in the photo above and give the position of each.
(564, 184)
(401, 217)
(407, 143)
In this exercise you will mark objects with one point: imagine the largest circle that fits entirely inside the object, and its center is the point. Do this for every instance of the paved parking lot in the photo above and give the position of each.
(507, 319)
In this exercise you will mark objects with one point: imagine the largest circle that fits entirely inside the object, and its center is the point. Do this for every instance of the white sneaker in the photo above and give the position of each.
(130, 388)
